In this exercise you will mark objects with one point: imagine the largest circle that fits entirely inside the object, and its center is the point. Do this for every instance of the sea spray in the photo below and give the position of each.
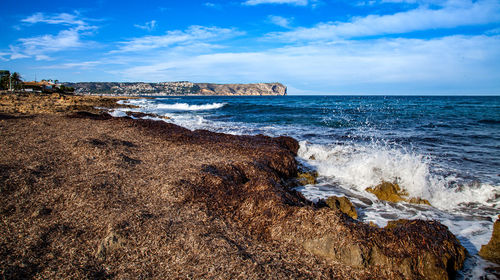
(360, 166)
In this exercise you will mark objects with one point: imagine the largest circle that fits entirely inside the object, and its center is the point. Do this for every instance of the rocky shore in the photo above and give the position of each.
(86, 195)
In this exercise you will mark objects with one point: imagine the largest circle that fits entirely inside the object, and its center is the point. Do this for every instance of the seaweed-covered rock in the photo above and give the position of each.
(409, 249)
(491, 251)
(393, 193)
(343, 204)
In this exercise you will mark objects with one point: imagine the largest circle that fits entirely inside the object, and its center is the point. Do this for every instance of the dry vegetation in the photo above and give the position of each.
(89, 196)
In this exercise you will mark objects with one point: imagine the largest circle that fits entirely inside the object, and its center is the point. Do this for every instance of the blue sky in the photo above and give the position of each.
(312, 46)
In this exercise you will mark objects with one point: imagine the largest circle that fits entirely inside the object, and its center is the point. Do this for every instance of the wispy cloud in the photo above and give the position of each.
(194, 34)
(62, 18)
(454, 14)
(3, 56)
(290, 2)
(211, 5)
(40, 47)
(149, 26)
(79, 65)
(280, 21)
(383, 65)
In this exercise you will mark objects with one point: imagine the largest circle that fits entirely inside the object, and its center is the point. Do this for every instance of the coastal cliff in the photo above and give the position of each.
(176, 88)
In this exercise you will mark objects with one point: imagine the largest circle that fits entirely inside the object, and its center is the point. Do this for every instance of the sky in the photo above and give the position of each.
(376, 47)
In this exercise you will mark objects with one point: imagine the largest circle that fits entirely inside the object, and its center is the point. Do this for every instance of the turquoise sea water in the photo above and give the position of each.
(443, 149)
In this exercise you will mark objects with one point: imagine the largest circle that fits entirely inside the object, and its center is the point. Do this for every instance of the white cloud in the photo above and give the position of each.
(79, 65)
(62, 18)
(280, 21)
(459, 64)
(149, 26)
(3, 55)
(42, 46)
(454, 14)
(210, 5)
(192, 35)
(291, 2)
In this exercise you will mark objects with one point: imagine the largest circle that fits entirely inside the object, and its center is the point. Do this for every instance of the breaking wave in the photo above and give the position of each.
(188, 107)
(358, 167)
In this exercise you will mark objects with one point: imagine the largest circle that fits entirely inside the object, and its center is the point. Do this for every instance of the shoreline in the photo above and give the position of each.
(112, 194)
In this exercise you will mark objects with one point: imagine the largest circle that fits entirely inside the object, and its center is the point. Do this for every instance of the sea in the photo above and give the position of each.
(445, 149)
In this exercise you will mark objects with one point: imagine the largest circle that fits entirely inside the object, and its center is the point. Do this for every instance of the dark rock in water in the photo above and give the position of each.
(393, 193)
(343, 205)
(491, 251)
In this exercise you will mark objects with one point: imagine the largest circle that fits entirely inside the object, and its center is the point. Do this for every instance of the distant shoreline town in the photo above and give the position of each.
(175, 88)
(14, 81)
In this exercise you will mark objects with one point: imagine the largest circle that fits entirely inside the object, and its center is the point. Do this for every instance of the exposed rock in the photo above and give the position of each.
(307, 178)
(412, 249)
(491, 251)
(393, 193)
(343, 204)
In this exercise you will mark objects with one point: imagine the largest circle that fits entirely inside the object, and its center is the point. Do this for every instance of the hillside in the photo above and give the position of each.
(177, 88)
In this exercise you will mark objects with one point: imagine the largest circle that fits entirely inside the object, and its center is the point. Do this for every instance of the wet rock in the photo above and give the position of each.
(491, 251)
(418, 200)
(307, 178)
(372, 224)
(393, 193)
(342, 204)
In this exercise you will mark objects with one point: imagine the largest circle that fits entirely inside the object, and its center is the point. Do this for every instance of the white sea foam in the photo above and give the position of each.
(358, 167)
(188, 107)
(118, 113)
(137, 102)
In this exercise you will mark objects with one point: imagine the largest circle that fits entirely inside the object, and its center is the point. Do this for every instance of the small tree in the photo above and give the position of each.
(16, 80)
(4, 79)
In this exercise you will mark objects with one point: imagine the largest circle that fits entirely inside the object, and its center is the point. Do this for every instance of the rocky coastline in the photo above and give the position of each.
(86, 195)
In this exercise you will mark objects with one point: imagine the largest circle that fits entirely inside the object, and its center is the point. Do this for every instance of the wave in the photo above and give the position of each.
(188, 107)
(358, 167)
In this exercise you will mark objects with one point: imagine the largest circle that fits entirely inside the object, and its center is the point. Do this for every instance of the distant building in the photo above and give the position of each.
(38, 86)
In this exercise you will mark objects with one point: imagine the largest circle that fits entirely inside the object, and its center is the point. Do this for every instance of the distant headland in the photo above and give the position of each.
(176, 88)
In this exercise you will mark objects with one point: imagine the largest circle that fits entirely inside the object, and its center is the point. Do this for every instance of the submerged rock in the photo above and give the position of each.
(491, 251)
(393, 193)
(343, 204)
